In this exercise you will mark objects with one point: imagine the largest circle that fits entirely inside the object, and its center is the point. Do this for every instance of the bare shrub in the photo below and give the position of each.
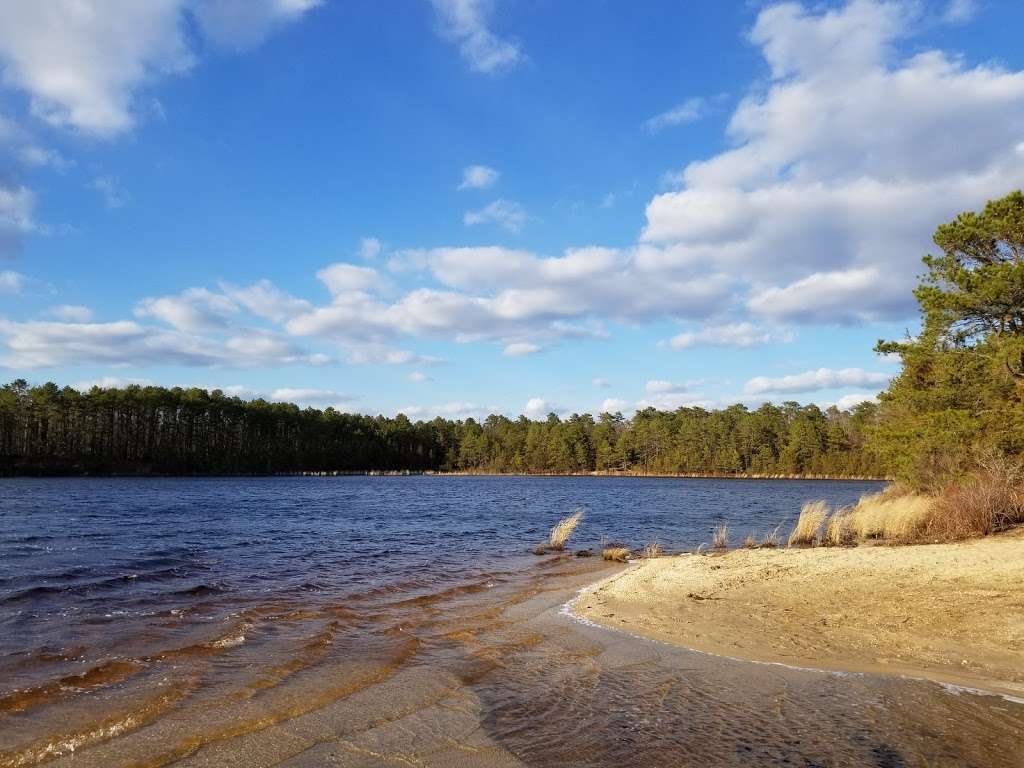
(812, 516)
(989, 501)
(563, 530)
(720, 538)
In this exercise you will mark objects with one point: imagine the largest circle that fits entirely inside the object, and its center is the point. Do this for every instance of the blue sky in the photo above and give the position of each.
(458, 206)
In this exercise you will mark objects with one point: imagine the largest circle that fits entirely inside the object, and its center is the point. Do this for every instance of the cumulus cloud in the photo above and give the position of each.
(960, 11)
(844, 162)
(381, 354)
(17, 206)
(846, 402)
(687, 112)
(466, 23)
(84, 63)
(44, 344)
(507, 214)
(11, 282)
(520, 349)
(370, 248)
(539, 408)
(478, 177)
(193, 310)
(614, 405)
(822, 378)
(266, 300)
(72, 313)
(455, 409)
(316, 398)
(742, 335)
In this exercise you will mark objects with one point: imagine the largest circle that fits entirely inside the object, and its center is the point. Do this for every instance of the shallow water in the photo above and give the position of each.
(372, 621)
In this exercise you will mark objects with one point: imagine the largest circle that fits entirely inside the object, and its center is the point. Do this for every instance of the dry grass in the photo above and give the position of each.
(894, 515)
(812, 516)
(541, 549)
(615, 553)
(750, 542)
(839, 529)
(563, 530)
(652, 550)
(720, 538)
(771, 539)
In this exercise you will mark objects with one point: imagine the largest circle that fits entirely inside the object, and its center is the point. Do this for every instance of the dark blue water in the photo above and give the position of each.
(403, 620)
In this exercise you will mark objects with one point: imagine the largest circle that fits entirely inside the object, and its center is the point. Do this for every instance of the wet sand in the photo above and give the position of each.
(946, 612)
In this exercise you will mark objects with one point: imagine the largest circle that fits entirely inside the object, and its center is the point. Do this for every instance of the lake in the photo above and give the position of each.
(402, 620)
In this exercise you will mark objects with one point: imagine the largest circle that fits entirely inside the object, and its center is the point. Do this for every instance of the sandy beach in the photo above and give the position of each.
(949, 612)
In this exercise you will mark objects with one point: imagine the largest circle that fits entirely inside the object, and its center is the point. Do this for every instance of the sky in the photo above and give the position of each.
(457, 207)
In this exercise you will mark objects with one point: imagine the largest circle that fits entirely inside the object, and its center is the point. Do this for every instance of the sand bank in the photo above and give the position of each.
(949, 612)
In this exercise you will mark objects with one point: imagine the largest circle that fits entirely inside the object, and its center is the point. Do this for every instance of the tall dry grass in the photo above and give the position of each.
(838, 530)
(720, 538)
(812, 516)
(771, 539)
(652, 550)
(895, 515)
(563, 530)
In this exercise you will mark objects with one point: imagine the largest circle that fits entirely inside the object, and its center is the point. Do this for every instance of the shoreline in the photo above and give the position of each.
(435, 473)
(961, 624)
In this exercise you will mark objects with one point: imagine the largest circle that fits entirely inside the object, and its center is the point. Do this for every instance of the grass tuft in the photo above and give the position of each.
(563, 530)
(541, 549)
(894, 515)
(812, 516)
(652, 550)
(615, 553)
(750, 542)
(720, 538)
(771, 539)
(839, 529)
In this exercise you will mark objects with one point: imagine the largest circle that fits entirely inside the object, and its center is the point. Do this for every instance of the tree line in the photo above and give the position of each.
(959, 397)
(158, 430)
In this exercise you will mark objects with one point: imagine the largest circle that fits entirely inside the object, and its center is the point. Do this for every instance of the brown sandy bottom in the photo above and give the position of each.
(949, 612)
(498, 675)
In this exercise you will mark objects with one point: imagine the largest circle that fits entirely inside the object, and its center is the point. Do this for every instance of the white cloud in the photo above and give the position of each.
(110, 382)
(654, 386)
(39, 344)
(266, 300)
(370, 248)
(844, 163)
(687, 112)
(344, 278)
(418, 376)
(506, 214)
(960, 11)
(193, 310)
(742, 335)
(520, 349)
(539, 408)
(381, 354)
(823, 378)
(846, 402)
(600, 383)
(466, 22)
(245, 23)
(71, 313)
(456, 409)
(17, 205)
(478, 177)
(614, 405)
(113, 196)
(84, 63)
(316, 398)
(11, 282)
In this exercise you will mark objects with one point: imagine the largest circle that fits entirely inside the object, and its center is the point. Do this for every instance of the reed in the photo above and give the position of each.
(563, 529)
(750, 542)
(720, 538)
(771, 539)
(812, 516)
(615, 553)
(652, 550)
